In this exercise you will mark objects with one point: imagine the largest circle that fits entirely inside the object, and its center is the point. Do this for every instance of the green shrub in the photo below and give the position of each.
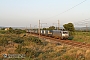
(19, 31)
(18, 40)
(44, 43)
(3, 31)
(28, 52)
(3, 42)
(70, 38)
(35, 40)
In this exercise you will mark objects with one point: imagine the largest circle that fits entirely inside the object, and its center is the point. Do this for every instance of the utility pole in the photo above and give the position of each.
(26, 29)
(30, 29)
(58, 25)
(40, 26)
(86, 27)
(39, 29)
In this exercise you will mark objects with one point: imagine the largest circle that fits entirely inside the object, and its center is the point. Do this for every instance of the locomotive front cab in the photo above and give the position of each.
(65, 34)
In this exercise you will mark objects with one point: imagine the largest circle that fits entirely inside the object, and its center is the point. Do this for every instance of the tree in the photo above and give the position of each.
(2, 28)
(51, 28)
(44, 28)
(69, 27)
(18, 31)
(10, 30)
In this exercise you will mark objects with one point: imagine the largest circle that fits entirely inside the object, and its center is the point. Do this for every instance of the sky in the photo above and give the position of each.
(22, 13)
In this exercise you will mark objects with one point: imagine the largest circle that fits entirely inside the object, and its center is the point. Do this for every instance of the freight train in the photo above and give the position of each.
(59, 34)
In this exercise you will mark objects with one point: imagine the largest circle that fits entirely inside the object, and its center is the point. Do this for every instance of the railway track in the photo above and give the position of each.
(68, 42)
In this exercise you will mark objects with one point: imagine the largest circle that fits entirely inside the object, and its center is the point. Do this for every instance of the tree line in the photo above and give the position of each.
(68, 27)
(11, 30)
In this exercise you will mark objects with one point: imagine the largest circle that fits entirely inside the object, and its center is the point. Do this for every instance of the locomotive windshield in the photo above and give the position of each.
(65, 32)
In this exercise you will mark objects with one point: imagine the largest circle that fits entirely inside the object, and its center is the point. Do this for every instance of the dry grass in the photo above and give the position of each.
(47, 51)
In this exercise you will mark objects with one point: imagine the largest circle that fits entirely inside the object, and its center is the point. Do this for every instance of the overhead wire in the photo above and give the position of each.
(68, 9)
(82, 22)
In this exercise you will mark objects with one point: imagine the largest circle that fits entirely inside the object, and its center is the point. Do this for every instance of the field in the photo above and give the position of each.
(82, 37)
(40, 49)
